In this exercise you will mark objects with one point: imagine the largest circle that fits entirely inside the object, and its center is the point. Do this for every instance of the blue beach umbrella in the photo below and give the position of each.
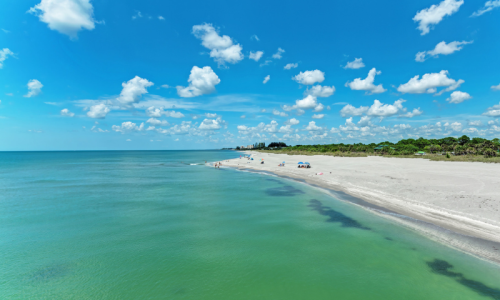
(301, 163)
(307, 163)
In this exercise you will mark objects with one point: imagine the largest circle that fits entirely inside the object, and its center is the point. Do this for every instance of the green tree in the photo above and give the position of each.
(463, 140)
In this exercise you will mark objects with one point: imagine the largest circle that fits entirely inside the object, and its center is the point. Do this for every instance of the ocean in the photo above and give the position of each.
(162, 225)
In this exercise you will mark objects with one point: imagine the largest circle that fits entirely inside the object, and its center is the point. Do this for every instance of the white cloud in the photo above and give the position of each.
(309, 102)
(495, 87)
(128, 140)
(488, 6)
(431, 16)
(475, 123)
(357, 63)
(455, 126)
(319, 116)
(366, 84)
(161, 18)
(158, 112)
(291, 66)
(442, 48)
(378, 109)
(137, 15)
(319, 108)
(277, 55)
(429, 83)
(128, 127)
(255, 37)
(320, 91)
(300, 112)
(256, 55)
(4, 54)
(210, 124)
(312, 127)
(222, 48)
(65, 112)
(415, 112)
(279, 113)
(98, 111)
(157, 122)
(350, 110)
(211, 116)
(201, 81)
(365, 121)
(493, 111)
(309, 77)
(66, 16)
(268, 77)
(243, 117)
(34, 88)
(292, 121)
(458, 97)
(133, 90)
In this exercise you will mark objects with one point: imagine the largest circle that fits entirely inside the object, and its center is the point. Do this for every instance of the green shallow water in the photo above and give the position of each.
(149, 225)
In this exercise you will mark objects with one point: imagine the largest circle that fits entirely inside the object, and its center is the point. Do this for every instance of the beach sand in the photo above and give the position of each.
(461, 197)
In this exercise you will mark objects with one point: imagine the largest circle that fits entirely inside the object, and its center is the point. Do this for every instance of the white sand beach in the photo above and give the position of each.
(463, 197)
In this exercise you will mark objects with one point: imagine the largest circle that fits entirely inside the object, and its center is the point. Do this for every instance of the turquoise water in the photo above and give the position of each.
(161, 225)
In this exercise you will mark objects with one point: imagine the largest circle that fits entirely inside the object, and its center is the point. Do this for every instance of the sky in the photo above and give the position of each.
(153, 75)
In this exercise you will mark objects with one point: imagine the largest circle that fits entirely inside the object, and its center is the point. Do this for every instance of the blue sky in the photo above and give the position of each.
(97, 75)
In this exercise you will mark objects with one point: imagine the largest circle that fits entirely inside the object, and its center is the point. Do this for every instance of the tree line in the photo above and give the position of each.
(448, 145)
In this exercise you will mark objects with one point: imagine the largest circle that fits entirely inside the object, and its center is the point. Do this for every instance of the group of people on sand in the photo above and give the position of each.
(304, 166)
(217, 165)
(281, 165)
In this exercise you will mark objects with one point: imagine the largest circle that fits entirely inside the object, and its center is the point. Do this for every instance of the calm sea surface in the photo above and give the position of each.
(161, 225)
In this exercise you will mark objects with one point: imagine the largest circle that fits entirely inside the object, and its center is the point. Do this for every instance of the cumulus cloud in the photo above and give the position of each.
(210, 124)
(488, 6)
(350, 110)
(222, 49)
(309, 102)
(291, 66)
(156, 122)
(128, 127)
(155, 112)
(66, 16)
(268, 77)
(378, 109)
(34, 88)
(493, 111)
(279, 113)
(313, 127)
(98, 111)
(66, 113)
(458, 97)
(366, 84)
(201, 81)
(381, 110)
(309, 77)
(320, 91)
(318, 116)
(429, 83)
(429, 17)
(441, 48)
(133, 90)
(292, 121)
(495, 87)
(357, 63)
(277, 55)
(4, 54)
(256, 55)
(475, 123)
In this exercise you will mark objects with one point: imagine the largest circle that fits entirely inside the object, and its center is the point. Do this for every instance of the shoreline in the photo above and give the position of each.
(468, 231)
